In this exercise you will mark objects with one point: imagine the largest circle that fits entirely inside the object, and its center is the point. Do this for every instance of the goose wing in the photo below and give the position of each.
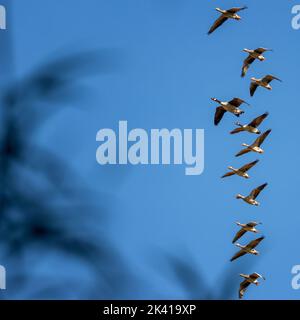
(248, 166)
(220, 111)
(229, 174)
(269, 78)
(217, 23)
(254, 243)
(253, 87)
(247, 62)
(252, 224)
(262, 50)
(237, 130)
(256, 275)
(259, 141)
(244, 151)
(236, 102)
(254, 193)
(235, 10)
(243, 287)
(238, 235)
(238, 255)
(257, 121)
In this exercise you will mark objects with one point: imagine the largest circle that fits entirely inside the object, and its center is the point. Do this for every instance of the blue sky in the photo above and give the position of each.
(169, 70)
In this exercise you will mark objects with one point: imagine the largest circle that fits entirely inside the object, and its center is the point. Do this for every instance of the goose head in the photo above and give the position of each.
(245, 145)
(231, 168)
(253, 79)
(215, 100)
(238, 124)
(239, 196)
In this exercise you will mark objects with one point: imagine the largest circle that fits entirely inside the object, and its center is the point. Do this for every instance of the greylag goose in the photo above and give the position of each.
(263, 82)
(249, 248)
(251, 198)
(231, 106)
(248, 227)
(242, 172)
(225, 15)
(256, 145)
(253, 55)
(252, 127)
(249, 279)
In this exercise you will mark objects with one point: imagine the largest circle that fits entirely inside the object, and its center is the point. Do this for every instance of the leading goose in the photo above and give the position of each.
(249, 279)
(256, 145)
(249, 227)
(251, 198)
(249, 248)
(263, 82)
(252, 127)
(242, 172)
(230, 106)
(253, 55)
(225, 15)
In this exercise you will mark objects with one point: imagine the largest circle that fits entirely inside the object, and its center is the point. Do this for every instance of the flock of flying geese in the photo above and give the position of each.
(233, 107)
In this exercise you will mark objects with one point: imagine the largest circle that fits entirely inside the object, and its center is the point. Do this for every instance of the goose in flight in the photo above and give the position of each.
(249, 248)
(256, 145)
(225, 15)
(242, 172)
(248, 227)
(251, 198)
(252, 127)
(253, 55)
(249, 279)
(263, 82)
(231, 106)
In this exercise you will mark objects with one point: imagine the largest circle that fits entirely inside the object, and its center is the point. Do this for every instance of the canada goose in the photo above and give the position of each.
(231, 106)
(249, 279)
(249, 227)
(264, 82)
(225, 15)
(256, 145)
(256, 54)
(252, 127)
(249, 248)
(242, 172)
(251, 198)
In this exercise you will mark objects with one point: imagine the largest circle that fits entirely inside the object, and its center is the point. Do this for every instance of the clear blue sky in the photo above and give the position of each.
(169, 70)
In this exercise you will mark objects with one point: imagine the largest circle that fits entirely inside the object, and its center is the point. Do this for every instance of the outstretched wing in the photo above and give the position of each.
(235, 10)
(217, 23)
(237, 130)
(228, 174)
(253, 87)
(220, 111)
(248, 166)
(243, 287)
(269, 78)
(254, 243)
(256, 275)
(254, 194)
(246, 65)
(252, 224)
(237, 102)
(244, 151)
(238, 235)
(262, 50)
(238, 255)
(257, 121)
(259, 141)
